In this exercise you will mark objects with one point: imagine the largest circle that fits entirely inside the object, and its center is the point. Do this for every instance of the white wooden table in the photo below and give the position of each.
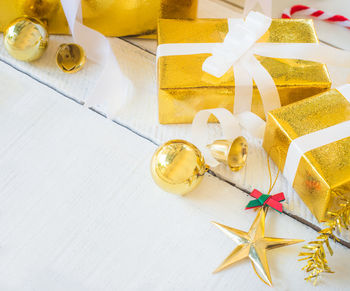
(79, 210)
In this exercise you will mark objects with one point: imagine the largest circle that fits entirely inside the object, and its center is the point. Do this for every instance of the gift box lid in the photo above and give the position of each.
(185, 71)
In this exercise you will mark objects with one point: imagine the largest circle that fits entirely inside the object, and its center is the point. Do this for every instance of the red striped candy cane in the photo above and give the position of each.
(307, 12)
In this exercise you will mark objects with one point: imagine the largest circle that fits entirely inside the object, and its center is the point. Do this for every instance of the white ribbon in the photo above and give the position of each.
(308, 142)
(113, 88)
(231, 128)
(266, 6)
(239, 49)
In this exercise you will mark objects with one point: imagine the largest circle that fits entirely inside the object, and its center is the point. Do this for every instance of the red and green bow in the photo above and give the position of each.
(274, 201)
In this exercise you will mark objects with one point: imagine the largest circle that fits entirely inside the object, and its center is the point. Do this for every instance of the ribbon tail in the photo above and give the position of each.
(275, 205)
(252, 123)
(116, 88)
(279, 197)
(243, 89)
(264, 82)
(113, 88)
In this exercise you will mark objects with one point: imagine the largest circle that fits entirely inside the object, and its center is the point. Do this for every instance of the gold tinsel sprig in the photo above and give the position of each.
(316, 255)
(316, 258)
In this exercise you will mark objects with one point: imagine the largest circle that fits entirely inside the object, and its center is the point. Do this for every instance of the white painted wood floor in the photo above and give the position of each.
(79, 210)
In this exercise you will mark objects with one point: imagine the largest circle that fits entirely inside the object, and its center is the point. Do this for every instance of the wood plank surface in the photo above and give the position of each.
(140, 116)
(79, 207)
(79, 210)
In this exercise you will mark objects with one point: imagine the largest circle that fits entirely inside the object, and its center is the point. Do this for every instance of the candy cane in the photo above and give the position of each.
(307, 11)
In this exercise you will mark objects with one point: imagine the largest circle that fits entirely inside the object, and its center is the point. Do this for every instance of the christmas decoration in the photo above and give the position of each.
(253, 245)
(70, 58)
(26, 38)
(178, 166)
(110, 17)
(308, 12)
(313, 138)
(315, 253)
(113, 88)
(273, 201)
(195, 65)
(267, 200)
(233, 154)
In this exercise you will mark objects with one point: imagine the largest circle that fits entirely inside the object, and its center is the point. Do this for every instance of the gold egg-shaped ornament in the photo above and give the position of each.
(26, 38)
(178, 167)
(70, 57)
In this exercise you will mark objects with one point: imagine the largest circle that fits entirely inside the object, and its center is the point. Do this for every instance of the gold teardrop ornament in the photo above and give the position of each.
(26, 38)
(178, 167)
(70, 58)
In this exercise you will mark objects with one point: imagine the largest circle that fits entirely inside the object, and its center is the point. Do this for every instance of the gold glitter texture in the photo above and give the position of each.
(110, 17)
(324, 170)
(184, 89)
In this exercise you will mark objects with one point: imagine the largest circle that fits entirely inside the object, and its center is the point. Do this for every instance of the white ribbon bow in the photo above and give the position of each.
(266, 6)
(113, 88)
(239, 49)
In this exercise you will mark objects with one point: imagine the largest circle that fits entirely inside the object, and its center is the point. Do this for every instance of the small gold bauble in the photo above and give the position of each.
(178, 167)
(26, 38)
(70, 58)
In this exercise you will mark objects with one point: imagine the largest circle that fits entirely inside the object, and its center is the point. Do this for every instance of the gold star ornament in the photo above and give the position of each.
(253, 245)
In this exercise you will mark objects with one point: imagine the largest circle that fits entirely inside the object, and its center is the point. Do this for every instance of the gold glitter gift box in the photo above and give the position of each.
(323, 174)
(184, 89)
(110, 17)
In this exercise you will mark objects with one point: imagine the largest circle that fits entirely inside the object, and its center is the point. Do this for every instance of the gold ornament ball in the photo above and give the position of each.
(178, 167)
(26, 38)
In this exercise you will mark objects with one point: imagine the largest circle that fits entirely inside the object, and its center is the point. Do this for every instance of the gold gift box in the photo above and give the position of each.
(323, 174)
(110, 17)
(184, 89)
